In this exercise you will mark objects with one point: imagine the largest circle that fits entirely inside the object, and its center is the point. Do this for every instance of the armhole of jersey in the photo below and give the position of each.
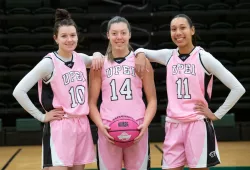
(170, 57)
(81, 60)
(205, 70)
(74, 55)
(49, 79)
(47, 57)
(51, 75)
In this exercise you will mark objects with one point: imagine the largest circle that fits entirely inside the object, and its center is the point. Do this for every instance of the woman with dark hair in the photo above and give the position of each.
(190, 138)
(63, 94)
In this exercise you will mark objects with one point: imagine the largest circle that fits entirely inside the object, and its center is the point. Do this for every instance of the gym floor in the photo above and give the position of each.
(233, 154)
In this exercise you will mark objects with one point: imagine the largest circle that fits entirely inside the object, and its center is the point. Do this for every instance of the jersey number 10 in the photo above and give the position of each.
(124, 90)
(77, 95)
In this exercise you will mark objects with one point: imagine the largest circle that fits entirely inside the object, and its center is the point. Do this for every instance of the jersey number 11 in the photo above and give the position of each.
(180, 93)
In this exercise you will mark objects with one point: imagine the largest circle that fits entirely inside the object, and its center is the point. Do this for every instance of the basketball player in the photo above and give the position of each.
(190, 137)
(63, 94)
(121, 95)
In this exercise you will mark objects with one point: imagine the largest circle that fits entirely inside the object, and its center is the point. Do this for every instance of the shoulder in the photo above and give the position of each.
(47, 59)
(79, 54)
(208, 61)
(50, 55)
(86, 60)
(83, 56)
(206, 58)
(46, 65)
(205, 55)
(106, 60)
(169, 51)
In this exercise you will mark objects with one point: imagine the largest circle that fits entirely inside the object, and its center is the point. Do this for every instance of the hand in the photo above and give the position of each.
(142, 129)
(97, 61)
(202, 109)
(55, 114)
(104, 129)
(140, 64)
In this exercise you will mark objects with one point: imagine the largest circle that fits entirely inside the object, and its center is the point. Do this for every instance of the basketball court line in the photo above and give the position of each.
(11, 158)
(158, 148)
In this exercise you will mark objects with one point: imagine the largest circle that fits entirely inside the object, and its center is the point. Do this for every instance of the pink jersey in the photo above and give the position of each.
(67, 88)
(186, 84)
(121, 90)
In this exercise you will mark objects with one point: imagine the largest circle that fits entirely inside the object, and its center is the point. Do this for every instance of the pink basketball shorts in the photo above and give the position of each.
(192, 143)
(111, 157)
(67, 142)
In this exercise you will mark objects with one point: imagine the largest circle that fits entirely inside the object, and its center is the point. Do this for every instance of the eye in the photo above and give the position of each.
(173, 29)
(113, 33)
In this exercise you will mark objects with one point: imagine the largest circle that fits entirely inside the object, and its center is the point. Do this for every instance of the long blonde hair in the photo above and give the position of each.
(116, 19)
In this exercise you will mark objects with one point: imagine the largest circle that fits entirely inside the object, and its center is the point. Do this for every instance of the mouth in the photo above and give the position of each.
(119, 43)
(69, 45)
(179, 40)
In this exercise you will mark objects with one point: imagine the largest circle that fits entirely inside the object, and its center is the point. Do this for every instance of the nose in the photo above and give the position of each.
(178, 31)
(119, 36)
(69, 38)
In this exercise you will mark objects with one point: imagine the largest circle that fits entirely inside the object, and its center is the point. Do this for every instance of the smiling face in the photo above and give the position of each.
(181, 32)
(66, 38)
(119, 36)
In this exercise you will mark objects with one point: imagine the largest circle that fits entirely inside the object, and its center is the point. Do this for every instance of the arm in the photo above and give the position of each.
(88, 60)
(158, 56)
(149, 89)
(214, 67)
(95, 81)
(42, 70)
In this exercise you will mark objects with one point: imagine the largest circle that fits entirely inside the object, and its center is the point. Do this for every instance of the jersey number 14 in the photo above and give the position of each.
(124, 90)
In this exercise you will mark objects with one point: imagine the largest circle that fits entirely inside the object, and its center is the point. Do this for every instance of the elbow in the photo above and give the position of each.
(243, 90)
(15, 93)
(90, 101)
(19, 94)
(153, 103)
(98, 54)
(139, 50)
(239, 90)
(92, 105)
(153, 98)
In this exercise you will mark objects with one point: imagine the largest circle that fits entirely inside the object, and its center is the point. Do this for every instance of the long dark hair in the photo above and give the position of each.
(190, 23)
(116, 19)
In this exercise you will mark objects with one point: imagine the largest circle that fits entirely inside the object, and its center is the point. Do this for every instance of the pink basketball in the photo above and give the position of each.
(124, 130)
